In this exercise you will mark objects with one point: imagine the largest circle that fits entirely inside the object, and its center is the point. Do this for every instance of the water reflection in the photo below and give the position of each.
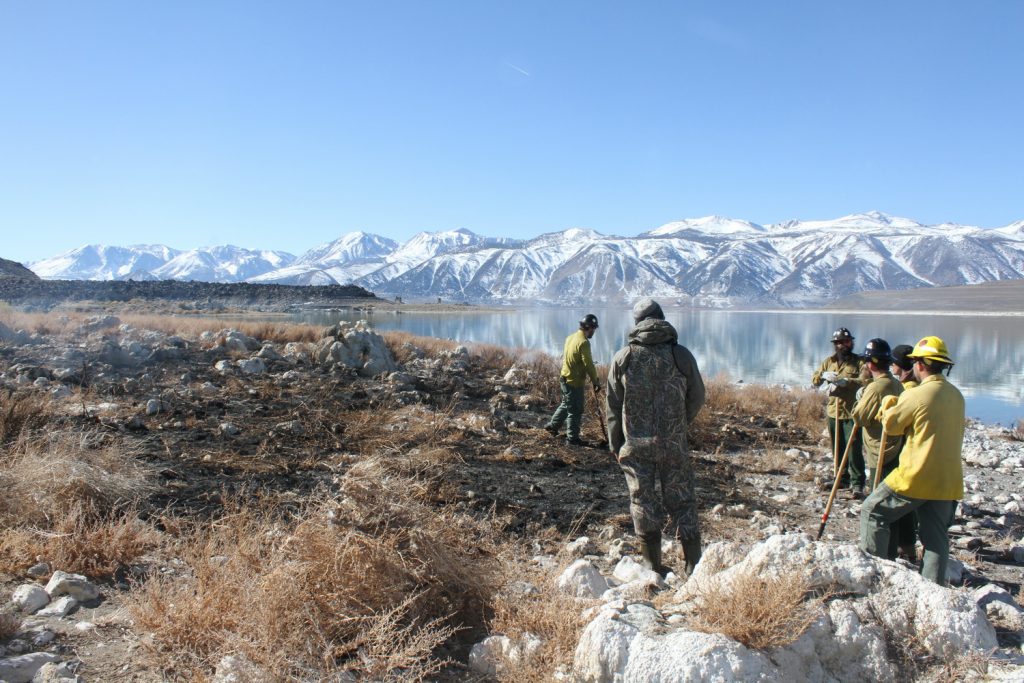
(780, 347)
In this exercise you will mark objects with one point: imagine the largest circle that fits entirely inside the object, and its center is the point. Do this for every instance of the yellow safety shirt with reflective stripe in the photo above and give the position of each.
(931, 417)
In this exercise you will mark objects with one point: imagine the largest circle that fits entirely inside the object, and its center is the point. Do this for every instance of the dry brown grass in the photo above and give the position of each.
(80, 541)
(22, 411)
(553, 617)
(44, 479)
(10, 624)
(371, 583)
(70, 499)
(800, 408)
(279, 332)
(759, 612)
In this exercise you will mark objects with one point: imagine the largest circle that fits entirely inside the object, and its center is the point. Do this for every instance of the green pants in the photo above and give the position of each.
(853, 477)
(570, 409)
(884, 507)
(903, 533)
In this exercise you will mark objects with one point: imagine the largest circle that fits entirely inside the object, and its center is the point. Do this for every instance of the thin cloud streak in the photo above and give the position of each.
(517, 68)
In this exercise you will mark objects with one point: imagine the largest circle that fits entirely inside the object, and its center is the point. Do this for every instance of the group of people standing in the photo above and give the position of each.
(899, 422)
(892, 415)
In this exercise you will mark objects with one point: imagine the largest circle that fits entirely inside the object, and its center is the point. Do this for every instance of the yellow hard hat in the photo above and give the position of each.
(931, 348)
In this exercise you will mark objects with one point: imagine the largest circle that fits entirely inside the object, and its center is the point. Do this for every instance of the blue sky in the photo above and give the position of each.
(284, 125)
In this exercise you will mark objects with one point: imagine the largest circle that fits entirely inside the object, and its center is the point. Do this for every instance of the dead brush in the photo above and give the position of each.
(80, 541)
(22, 411)
(761, 612)
(10, 624)
(371, 583)
(550, 615)
(44, 479)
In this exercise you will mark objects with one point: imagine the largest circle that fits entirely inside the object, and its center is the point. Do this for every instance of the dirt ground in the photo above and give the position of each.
(755, 475)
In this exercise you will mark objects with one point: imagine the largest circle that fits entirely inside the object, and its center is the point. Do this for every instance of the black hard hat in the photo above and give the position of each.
(589, 321)
(899, 356)
(842, 334)
(877, 351)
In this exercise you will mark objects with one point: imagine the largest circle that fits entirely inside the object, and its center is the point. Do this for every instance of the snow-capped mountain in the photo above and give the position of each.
(224, 263)
(707, 261)
(99, 262)
(158, 262)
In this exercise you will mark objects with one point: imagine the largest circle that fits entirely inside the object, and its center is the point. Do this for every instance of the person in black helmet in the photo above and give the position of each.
(577, 368)
(842, 371)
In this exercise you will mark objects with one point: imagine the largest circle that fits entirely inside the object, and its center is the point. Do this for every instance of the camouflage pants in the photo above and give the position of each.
(645, 468)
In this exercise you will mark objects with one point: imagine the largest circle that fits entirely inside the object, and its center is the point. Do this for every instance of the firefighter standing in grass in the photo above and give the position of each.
(877, 360)
(842, 371)
(654, 392)
(577, 368)
(929, 478)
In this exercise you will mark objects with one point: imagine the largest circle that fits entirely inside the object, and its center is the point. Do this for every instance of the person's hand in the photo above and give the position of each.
(841, 381)
(830, 377)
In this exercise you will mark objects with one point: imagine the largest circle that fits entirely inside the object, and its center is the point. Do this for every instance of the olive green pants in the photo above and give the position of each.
(570, 410)
(853, 475)
(904, 531)
(884, 507)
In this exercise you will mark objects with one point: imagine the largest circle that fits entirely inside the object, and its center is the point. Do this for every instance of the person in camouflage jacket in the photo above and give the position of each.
(654, 392)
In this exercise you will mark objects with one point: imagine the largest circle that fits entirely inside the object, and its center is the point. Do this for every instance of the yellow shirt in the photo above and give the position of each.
(931, 416)
(866, 412)
(576, 361)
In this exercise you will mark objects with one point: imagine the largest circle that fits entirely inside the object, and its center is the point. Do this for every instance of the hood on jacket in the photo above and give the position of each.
(653, 331)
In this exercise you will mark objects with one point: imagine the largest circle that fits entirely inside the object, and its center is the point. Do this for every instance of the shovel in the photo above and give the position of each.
(835, 486)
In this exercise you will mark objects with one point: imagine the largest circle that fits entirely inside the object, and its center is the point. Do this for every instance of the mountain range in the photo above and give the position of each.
(711, 261)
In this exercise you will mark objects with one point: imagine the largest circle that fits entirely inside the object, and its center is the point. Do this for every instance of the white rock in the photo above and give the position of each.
(229, 429)
(60, 607)
(1011, 507)
(252, 366)
(21, 669)
(268, 352)
(238, 669)
(492, 655)
(75, 585)
(629, 570)
(152, 406)
(29, 598)
(85, 626)
(38, 570)
(990, 592)
(56, 672)
(60, 391)
(580, 547)
(1007, 616)
(582, 580)
(611, 650)
(223, 366)
(43, 638)
(356, 346)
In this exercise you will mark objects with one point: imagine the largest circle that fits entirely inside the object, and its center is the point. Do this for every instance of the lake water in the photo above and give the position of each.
(782, 347)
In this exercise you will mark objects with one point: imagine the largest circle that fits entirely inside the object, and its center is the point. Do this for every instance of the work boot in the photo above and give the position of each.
(576, 441)
(551, 429)
(909, 553)
(650, 549)
(691, 553)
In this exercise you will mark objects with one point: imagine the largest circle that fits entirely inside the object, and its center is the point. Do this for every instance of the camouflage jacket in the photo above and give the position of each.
(841, 398)
(654, 388)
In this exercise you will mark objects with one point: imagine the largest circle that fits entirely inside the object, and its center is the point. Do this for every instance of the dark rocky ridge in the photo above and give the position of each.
(44, 294)
(13, 269)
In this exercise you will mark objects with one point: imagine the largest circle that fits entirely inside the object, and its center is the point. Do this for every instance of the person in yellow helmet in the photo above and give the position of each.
(577, 368)
(929, 479)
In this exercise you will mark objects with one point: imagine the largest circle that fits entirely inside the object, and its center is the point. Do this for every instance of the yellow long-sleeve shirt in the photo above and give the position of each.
(931, 416)
(577, 363)
(865, 413)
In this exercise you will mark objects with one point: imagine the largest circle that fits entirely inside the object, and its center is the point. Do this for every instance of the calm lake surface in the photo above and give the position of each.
(781, 347)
